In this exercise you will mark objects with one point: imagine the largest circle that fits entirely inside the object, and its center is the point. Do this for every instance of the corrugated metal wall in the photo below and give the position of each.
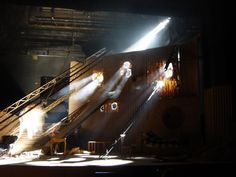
(218, 115)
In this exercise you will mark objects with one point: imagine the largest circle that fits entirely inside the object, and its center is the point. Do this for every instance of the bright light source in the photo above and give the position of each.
(114, 106)
(128, 73)
(127, 65)
(102, 108)
(159, 85)
(144, 42)
(94, 76)
(98, 77)
(169, 72)
(178, 55)
(122, 135)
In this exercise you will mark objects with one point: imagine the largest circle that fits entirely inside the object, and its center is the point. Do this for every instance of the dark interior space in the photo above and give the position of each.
(161, 104)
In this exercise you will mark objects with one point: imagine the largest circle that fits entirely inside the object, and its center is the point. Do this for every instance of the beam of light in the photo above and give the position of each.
(121, 137)
(164, 76)
(32, 121)
(112, 82)
(158, 86)
(117, 83)
(144, 42)
(75, 85)
(178, 55)
(116, 93)
(80, 83)
(103, 96)
(126, 72)
(88, 90)
(122, 71)
(109, 86)
(118, 75)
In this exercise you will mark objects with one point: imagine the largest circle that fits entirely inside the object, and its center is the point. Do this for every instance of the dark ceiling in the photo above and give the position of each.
(81, 30)
(155, 7)
(48, 27)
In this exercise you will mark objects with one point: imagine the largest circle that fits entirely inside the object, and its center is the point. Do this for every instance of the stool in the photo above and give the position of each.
(56, 141)
(98, 147)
